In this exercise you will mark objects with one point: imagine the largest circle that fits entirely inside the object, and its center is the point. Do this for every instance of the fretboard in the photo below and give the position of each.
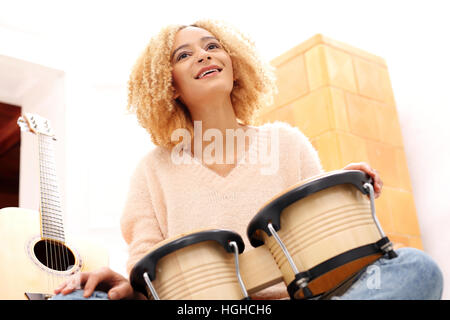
(52, 225)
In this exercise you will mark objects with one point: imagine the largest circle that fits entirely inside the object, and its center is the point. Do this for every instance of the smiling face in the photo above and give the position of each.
(201, 68)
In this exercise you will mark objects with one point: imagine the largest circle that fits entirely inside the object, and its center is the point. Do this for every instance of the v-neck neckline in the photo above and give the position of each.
(239, 164)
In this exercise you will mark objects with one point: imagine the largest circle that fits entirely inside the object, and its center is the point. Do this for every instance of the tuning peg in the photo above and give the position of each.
(23, 124)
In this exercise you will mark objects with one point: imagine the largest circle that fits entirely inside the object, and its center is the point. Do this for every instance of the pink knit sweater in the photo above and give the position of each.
(166, 199)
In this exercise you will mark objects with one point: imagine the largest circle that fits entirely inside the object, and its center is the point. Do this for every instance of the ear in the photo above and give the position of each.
(176, 95)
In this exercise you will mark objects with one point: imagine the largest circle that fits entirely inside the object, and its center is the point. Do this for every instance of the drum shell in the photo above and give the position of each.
(202, 271)
(320, 227)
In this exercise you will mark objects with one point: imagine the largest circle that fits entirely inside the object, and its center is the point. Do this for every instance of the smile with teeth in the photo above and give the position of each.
(203, 74)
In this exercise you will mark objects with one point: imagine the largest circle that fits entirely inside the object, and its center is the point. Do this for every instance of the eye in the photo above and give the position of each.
(213, 46)
(182, 56)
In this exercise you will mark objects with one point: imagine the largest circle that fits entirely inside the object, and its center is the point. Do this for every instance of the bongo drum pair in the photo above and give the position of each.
(313, 236)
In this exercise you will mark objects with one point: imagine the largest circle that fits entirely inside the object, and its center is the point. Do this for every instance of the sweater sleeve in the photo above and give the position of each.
(139, 225)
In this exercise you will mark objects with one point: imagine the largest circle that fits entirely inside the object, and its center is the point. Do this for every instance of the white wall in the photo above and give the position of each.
(103, 147)
(37, 89)
(96, 43)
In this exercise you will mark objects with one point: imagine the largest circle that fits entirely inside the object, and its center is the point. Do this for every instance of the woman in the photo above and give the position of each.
(200, 82)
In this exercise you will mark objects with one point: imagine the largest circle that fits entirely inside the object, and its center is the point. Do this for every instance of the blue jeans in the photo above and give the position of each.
(78, 295)
(413, 275)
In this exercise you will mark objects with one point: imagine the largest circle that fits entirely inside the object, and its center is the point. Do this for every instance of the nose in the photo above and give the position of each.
(203, 55)
(201, 59)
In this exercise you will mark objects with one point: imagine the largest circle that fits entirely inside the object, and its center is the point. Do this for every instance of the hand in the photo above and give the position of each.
(377, 183)
(103, 279)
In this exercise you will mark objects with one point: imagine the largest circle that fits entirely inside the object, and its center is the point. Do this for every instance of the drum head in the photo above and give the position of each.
(148, 263)
(271, 211)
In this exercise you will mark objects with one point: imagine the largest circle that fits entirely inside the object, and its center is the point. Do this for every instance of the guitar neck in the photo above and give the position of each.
(52, 226)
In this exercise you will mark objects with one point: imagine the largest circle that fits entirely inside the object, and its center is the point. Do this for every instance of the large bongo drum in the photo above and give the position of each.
(321, 231)
(195, 266)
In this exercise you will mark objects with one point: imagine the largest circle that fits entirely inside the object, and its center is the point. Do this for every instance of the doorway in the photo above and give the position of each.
(9, 155)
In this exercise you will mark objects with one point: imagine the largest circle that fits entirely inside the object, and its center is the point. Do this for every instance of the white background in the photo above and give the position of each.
(95, 44)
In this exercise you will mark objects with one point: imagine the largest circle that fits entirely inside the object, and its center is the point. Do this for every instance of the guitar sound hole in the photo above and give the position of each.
(54, 255)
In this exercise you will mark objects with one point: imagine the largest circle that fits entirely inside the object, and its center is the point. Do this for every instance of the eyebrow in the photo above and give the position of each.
(186, 45)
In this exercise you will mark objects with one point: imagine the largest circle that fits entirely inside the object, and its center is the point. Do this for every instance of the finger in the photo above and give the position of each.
(352, 166)
(60, 287)
(73, 283)
(368, 169)
(363, 166)
(373, 174)
(121, 291)
(63, 285)
(377, 195)
(91, 283)
(378, 183)
(376, 189)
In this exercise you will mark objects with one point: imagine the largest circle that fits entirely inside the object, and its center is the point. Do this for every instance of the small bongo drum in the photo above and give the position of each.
(321, 231)
(195, 266)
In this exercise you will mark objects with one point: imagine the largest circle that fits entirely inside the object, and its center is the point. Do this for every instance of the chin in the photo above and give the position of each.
(216, 87)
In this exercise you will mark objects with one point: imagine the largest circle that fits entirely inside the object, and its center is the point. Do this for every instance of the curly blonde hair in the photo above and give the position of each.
(150, 89)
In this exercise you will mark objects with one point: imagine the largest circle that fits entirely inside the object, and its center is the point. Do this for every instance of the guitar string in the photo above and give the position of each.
(63, 254)
(65, 249)
(52, 244)
(42, 211)
(55, 248)
(48, 231)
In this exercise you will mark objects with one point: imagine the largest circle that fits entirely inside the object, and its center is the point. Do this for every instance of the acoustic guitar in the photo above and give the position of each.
(35, 256)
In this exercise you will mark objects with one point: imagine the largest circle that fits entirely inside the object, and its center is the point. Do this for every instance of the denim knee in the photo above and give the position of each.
(412, 275)
(424, 271)
(78, 295)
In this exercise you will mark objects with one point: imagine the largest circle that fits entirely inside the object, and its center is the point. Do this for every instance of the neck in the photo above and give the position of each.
(218, 115)
(50, 206)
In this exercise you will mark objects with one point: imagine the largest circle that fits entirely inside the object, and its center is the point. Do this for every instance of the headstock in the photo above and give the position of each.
(36, 124)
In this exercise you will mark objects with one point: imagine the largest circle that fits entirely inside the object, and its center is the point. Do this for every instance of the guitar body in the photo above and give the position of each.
(31, 264)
